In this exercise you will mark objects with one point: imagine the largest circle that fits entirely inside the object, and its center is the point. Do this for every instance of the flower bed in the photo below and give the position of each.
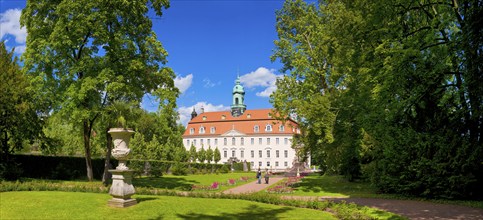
(213, 186)
(285, 186)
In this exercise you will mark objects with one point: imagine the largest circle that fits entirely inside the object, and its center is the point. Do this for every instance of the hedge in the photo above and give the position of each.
(56, 167)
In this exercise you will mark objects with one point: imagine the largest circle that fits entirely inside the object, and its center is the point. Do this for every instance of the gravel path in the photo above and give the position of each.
(409, 208)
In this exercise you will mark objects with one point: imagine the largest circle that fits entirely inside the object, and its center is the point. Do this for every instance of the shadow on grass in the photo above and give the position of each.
(144, 199)
(179, 183)
(251, 212)
(333, 184)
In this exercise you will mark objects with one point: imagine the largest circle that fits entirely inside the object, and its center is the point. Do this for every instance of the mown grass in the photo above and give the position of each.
(184, 183)
(332, 186)
(74, 205)
(337, 186)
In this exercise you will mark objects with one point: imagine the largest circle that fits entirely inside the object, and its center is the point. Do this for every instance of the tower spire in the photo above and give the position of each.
(238, 106)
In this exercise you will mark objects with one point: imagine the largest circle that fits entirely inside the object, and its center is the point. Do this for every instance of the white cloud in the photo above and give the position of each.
(10, 24)
(209, 84)
(262, 77)
(20, 49)
(183, 83)
(185, 111)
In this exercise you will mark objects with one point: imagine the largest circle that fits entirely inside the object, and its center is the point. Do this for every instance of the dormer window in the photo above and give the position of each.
(256, 129)
(269, 115)
(192, 130)
(204, 118)
(202, 130)
(282, 128)
(212, 130)
(249, 115)
(268, 128)
(223, 117)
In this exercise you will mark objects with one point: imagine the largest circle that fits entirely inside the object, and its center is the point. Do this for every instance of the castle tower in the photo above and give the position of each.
(238, 107)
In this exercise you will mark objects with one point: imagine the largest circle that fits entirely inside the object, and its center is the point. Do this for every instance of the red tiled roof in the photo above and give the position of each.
(223, 122)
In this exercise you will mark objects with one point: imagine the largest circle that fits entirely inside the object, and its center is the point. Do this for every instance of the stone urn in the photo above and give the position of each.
(121, 189)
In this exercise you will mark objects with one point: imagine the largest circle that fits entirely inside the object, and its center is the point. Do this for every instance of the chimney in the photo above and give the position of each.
(202, 110)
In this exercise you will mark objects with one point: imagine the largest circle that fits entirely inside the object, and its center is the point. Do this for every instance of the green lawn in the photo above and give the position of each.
(70, 205)
(336, 186)
(185, 182)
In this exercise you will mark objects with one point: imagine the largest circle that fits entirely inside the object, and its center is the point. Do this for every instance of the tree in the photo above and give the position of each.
(201, 155)
(216, 155)
(19, 103)
(209, 154)
(86, 55)
(398, 95)
(192, 154)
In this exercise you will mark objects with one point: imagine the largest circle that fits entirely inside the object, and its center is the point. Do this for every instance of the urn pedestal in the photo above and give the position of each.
(121, 188)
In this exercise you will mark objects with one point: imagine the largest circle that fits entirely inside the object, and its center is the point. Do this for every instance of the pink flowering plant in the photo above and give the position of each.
(231, 182)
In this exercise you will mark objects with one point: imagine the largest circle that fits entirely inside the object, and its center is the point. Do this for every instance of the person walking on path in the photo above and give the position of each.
(267, 176)
(259, 176)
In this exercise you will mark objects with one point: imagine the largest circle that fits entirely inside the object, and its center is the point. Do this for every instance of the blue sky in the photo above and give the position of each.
(209, 44)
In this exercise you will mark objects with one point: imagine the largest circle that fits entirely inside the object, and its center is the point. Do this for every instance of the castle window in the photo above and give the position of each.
(268, 153)
(256, 129)
(204, 118)
(187, 142)
(282, 128)
(252, 141)
(249, 115)
(192, 130)
(277, 141)
(232, 141)
(268, 141)
(202, 130)
(225, 142)
(242, 141)
(268, 128)
(260, 154)
(260, 141)
(208, 142)
(277, 154)
(285, 152)
(216, 141)
(212, 130)
(223, 117)
(236, 101)
(225, 154)
(252, 153)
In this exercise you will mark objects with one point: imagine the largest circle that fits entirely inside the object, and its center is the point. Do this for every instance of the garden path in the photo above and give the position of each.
(409, 208)
(252, 186)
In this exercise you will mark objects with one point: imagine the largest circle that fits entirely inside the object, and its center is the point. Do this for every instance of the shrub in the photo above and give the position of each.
(54, 167)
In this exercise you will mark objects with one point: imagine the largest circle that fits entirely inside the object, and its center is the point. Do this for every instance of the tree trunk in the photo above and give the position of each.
(107, 163)
(87, 148)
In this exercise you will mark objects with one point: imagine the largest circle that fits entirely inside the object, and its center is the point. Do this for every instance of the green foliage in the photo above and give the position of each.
(209, 154)
(216, 155)
(87, 56)
(56, 167)
(20, 107)
(201, 155)
(397, 99)
(192, 153)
